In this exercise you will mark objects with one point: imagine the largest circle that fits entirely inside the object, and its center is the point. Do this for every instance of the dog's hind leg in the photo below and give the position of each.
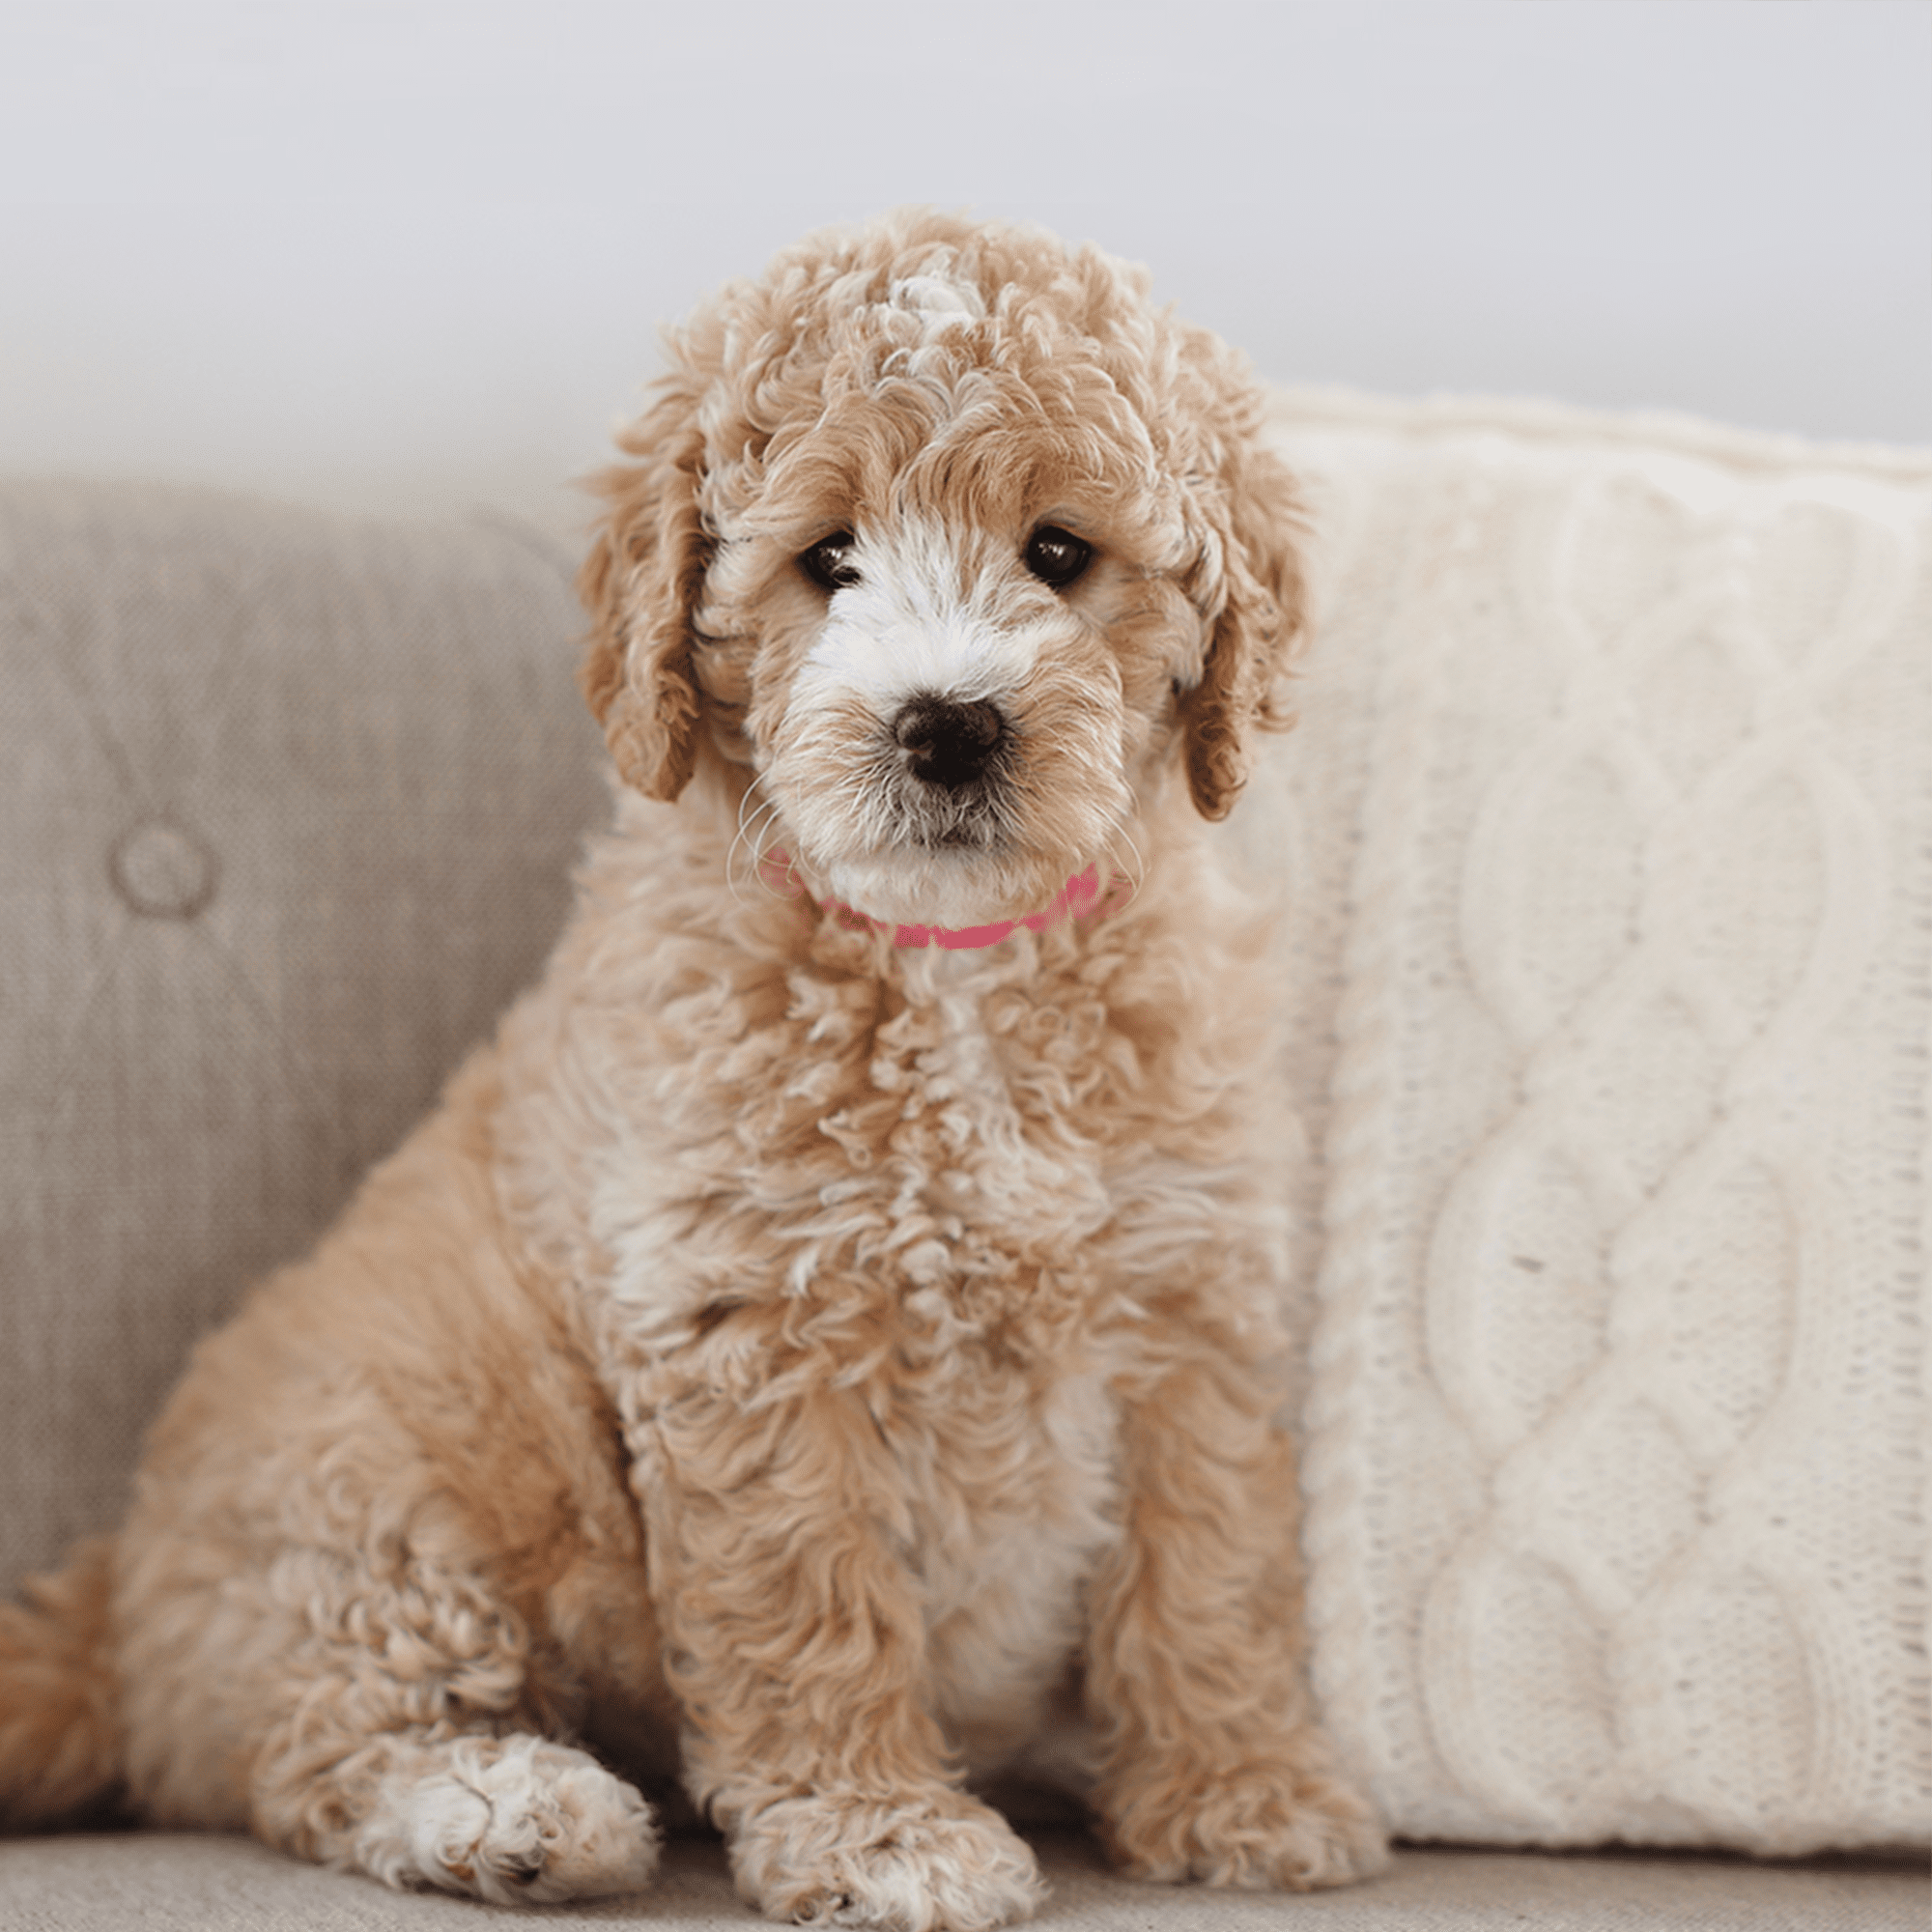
(409, 1752)
(378, 1715)
(513, 1819)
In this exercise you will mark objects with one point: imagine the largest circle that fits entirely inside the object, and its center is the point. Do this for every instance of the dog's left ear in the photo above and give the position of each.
(640, 584)
(1257, 518)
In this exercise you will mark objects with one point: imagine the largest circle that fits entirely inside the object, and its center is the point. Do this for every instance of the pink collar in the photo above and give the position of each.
(1075, 899)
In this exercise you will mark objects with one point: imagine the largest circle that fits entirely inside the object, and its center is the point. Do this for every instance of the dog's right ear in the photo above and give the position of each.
(640, 584)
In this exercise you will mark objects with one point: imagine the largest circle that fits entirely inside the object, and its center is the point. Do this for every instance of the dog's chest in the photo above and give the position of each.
(976, 1195)
(827, 1138)
(994, 1139)
(1012, 1502)
(999, 1409)
(937, 1206)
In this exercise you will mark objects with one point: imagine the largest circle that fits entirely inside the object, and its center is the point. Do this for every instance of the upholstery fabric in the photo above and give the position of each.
(1608, 848)
(169, 1883)
(1610, 941)
(290, 804)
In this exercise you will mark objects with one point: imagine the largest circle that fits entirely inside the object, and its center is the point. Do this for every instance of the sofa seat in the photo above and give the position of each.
(290, 804)
(103, 1882)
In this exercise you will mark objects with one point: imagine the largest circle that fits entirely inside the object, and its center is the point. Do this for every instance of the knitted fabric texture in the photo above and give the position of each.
(1611, 822)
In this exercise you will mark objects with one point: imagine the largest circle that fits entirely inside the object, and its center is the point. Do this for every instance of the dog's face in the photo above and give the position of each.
(954, 544)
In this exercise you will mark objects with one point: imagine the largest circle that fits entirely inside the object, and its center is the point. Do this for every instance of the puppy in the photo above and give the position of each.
(822, 1351)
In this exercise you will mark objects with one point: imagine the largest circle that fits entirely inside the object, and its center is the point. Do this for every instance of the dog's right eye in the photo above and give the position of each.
(1057, 556)
(829, 561)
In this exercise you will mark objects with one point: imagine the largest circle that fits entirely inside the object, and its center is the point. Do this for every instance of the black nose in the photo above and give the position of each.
(947, 743)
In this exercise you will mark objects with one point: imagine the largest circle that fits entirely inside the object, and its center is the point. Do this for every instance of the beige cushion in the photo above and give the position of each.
(290, 808)
(232, 1884)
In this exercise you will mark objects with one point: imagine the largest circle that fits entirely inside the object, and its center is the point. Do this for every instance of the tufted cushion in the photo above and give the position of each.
(1611, 957)
(291, 804)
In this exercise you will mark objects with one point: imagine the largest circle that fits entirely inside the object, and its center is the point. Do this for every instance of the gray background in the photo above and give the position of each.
(404, 255)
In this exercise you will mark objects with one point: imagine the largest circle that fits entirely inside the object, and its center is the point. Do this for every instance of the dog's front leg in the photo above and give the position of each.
(794, 1639)
(1214, 1767)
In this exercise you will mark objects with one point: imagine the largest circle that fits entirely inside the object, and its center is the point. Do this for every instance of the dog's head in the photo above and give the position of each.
(958, 545)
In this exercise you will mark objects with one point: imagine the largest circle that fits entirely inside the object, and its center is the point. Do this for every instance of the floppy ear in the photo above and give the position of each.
(1257, 517)
(640, 584)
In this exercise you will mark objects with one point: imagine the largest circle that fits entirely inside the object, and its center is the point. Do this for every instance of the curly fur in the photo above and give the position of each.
(831, 1371)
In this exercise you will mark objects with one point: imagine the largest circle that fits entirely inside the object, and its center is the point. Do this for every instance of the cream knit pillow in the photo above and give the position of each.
(1611, 948)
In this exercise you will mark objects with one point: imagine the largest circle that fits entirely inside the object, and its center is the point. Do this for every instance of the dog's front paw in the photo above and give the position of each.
(931, 1861)
(517, 1821)
(1260, 1828)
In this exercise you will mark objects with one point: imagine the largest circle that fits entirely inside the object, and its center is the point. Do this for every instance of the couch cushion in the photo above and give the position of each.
(199, 1884)
(290, 804)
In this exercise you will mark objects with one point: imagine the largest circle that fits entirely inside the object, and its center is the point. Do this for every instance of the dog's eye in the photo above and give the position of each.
(828, 562)
(1057, 556)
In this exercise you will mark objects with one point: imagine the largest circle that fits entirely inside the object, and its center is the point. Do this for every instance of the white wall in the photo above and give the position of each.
(401, 253)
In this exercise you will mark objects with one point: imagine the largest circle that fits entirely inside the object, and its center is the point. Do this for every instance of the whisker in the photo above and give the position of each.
(762, 852)
(1136, 873)
(732, 851)
(755, 816)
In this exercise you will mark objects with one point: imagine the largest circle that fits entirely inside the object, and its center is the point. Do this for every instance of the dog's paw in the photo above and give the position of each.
(934, 1861)
(517, 1821)
(1262, 1828)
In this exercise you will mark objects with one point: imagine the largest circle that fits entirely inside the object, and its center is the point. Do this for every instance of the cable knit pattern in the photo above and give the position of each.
(1614, 824)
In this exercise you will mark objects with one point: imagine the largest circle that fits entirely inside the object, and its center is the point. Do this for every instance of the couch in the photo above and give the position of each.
(1614, 1390)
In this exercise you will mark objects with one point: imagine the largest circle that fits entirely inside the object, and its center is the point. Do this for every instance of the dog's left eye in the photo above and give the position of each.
(1057, 556)
(829, 561)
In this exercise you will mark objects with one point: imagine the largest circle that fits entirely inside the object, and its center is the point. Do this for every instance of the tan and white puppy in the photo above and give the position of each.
(823, 1349)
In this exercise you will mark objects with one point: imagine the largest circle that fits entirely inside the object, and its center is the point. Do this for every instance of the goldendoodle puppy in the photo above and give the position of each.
(822, 1348)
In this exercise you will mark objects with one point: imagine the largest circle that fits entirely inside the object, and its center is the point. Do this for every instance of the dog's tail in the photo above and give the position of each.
(60, 1732)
